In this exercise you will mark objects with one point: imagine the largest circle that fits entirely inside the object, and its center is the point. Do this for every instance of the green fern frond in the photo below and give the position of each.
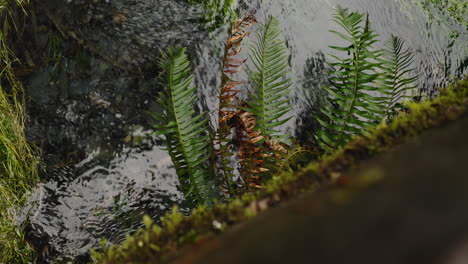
(185, 132)
(355, 102)
(267, 107)
(396, 62)
(269, 79)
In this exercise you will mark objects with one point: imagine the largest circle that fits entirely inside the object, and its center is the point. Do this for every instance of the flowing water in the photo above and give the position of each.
(103, 168)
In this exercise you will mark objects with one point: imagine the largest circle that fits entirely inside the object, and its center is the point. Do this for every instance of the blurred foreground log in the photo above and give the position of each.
(410, 206)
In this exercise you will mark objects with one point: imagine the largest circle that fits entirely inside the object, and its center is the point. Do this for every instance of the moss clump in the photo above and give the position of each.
(456, 9)
(18, 161)
(159, 243)
(217, 13)
(447, 11)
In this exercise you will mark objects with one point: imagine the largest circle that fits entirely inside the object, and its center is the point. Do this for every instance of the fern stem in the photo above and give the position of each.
(260, 92)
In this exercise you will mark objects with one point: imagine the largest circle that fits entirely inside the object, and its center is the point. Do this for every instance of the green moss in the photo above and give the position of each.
(456, 9)
(217, 13)
(158, 243)
(447, 11)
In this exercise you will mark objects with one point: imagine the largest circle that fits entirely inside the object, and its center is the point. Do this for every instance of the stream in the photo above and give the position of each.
(89, 106)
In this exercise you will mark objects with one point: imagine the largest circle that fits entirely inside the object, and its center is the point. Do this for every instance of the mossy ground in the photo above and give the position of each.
(18, 160)
(159, 243)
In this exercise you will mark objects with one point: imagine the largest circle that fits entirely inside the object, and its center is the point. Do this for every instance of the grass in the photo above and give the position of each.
(18, 174)
(18, 160)
(159, 243)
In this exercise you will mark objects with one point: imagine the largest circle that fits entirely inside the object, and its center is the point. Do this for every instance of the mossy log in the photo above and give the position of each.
(162, 243)
(407, 207)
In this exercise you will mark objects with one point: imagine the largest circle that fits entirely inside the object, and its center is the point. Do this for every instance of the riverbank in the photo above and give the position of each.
(18, 159)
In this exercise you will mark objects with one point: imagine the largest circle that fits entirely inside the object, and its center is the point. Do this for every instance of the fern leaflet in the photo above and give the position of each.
(185, 132)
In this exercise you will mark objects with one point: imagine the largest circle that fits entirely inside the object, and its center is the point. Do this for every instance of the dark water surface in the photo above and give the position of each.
(103, 168)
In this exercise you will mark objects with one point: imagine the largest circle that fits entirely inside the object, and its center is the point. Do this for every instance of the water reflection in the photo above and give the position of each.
(106, 200)
(311, 95)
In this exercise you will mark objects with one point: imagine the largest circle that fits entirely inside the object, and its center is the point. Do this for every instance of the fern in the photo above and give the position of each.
(249, 124)
(396, 65)
(269, 78)
(353, 108)
(185, 132)
(229, 103)
(261, 146)
(365, 88)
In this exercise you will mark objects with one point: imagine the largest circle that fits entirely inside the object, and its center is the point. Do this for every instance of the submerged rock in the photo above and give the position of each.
(129, 34)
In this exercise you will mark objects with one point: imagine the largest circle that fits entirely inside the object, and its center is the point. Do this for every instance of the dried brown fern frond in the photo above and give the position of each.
(228, 101)
(231, 65)
(250, 152)
(257, 153)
